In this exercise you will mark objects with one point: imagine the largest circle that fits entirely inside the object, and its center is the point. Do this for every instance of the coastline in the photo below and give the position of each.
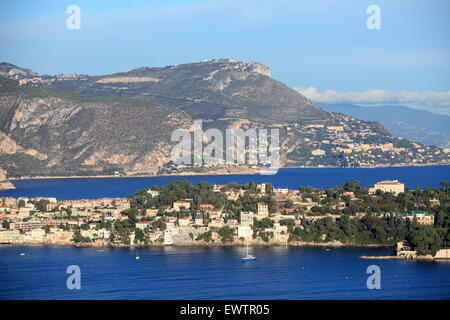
(418, 258)
(202, 244)
(6, 185)
(216, 173)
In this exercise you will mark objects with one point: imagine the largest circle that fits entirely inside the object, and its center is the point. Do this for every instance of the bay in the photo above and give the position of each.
(216, 273)
(92, 188)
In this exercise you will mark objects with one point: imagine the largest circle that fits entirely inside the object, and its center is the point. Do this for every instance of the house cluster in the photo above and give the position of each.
(47, 220)
(179, 228)
(355, 143)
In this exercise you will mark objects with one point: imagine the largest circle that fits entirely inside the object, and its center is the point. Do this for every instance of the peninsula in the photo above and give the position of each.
(183, 214)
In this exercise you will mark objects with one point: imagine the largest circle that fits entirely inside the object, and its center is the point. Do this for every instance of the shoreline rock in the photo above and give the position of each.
(203, 244)
(6, 185)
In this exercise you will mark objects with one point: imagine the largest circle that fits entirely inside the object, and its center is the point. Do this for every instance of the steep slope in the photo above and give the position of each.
(417, 125)
(11, 71)
(221, 88)
(124, 121)
(46, 131)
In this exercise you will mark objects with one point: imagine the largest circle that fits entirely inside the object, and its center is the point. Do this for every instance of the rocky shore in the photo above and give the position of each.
(335, 244)
(6, 185)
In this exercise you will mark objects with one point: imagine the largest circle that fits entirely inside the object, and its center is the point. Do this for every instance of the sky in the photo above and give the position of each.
(321, 47)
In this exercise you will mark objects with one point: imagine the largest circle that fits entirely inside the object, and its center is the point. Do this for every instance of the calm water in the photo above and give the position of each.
(215, 273)
(90, 188)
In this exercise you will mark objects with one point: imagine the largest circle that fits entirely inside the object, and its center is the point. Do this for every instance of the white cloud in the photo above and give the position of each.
(434, 101)
(377, 96)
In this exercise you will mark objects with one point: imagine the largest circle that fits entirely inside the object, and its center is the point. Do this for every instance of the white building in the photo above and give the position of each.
(261, 187)
(103, 233)
(422, 217)
(184, 221)
(263, 210)
(393, 186)
(280, 234)
(153, 193)
(281, 190)
(181, 205)
(168, 236)
(245, 232)
(246, 218)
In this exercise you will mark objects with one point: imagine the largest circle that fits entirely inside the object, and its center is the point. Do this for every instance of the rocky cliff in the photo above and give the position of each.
(79, 124)
(45, 131)
(221, 88)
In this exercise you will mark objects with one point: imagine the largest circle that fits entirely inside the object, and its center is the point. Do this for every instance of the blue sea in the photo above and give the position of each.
(91, 188)
(218, 273)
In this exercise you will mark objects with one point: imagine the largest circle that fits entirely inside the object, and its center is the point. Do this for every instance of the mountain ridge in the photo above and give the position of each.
(79, 124)
(223, 87)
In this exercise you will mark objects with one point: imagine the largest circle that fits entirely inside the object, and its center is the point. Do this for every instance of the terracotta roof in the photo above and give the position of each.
(389, 182)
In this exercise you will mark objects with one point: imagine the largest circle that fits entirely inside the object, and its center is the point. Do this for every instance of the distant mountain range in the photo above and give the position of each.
(81, 124)
(413, 124)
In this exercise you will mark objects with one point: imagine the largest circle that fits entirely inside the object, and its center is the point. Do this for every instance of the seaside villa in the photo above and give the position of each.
(422, 217)
(393, 186)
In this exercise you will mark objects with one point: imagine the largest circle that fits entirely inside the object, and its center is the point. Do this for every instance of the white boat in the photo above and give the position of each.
(23, 254)
(137, 255)
(248, 257)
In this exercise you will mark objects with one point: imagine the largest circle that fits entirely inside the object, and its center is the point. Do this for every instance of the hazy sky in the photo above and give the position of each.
(323, 44)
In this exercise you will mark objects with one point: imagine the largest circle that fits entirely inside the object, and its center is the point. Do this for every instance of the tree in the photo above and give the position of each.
(206, 236)
(77, 237)
(289, 204)
(47, 229)
(226, 234)
(444, 184)
(263, 223)
(41, 205)
(138, 236)
(159, 225)
(269, 188)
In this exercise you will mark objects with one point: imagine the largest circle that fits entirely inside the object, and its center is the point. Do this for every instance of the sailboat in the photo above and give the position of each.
(248, 257)
(137, 255)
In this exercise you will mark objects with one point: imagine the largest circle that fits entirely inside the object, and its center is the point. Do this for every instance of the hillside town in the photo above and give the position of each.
(258, 214)
(350, 142)
(342, 141)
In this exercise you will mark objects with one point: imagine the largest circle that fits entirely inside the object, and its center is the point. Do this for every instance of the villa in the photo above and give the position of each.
(422, 217)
